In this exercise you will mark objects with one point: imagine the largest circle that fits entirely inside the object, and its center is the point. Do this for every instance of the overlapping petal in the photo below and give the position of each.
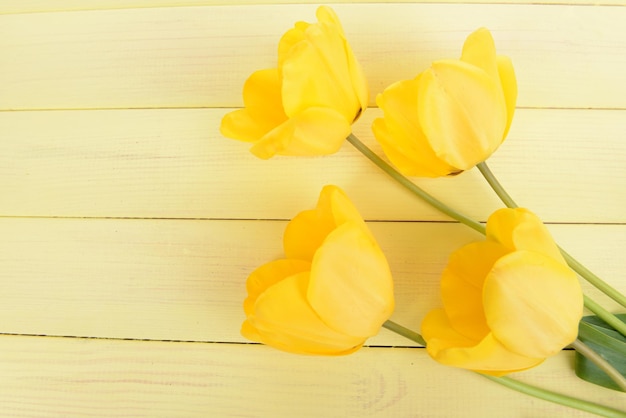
(400, 134)
(350, 282)
(486, 355)
(462, 112)
(533, 303)
(285, 319)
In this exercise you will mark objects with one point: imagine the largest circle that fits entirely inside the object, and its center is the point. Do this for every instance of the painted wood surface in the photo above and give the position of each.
(128, 224)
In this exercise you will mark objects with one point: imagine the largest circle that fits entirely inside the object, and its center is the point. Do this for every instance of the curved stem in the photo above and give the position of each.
(602, 364)
(605, 315)
(525, 388)
(596, 281)
(554, 397)
(413, 188)
(495, 185)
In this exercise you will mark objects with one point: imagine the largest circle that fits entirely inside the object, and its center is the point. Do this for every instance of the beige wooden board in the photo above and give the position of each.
(565, 56)
(567, 165)
(185, 280)
(48, 377)
(38, 6)
(141, 222)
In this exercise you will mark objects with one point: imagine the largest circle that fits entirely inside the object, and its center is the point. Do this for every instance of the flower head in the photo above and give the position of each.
(452, 116)
(306, 105)
(331, 292)
(509, 301)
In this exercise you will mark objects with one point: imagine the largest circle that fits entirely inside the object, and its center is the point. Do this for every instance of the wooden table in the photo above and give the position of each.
(128, 224)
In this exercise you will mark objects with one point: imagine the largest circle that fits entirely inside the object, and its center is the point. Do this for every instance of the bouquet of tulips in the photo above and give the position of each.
(508, 301)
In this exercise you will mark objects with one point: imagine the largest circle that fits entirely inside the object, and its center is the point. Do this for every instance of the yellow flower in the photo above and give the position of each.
(331, 292)
(509, 301)
(307, 105)
(452, 116)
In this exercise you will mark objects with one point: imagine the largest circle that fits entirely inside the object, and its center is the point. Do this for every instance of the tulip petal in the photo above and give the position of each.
(509, 88)
(462, 287)
(327, 15)
(479, 49)
(307, 230)
(401, 136)
(284, 319)
(315, 74)
(315, 131)
(486, 355)
(520, 229)
(240, 125)
(533, 303)
(291, 38)
(305, 233)
(263, 108)
(356, 75)
(462, 112)
(351, 286)
(269, 274)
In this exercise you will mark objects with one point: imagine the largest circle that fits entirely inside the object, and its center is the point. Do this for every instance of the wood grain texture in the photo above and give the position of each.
(185, 280)
(39, 6)
(44, 377)
(567, 165)
(565, 56)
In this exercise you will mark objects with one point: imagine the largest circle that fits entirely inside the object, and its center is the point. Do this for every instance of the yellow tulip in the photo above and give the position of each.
(306, 105)
(509, 301)
(452, 116)
(331, 292)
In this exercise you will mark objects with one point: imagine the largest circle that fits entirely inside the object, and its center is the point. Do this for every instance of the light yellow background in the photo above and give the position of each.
(128, 224)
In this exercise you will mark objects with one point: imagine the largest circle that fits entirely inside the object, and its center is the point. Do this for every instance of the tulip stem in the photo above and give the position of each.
(601, 363)
(558, 398)
(412, 187)
(573, 263)
(405, 332)
(495, 185)
(605, 315)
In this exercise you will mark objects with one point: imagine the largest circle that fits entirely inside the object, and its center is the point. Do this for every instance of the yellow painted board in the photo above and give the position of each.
(63, 377)
(567, 165)
(185, 280)
(38, 6)
(565, 56)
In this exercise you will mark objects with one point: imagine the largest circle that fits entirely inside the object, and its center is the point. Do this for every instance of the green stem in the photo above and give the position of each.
(408, 184)
(405, 332)
(605, 315)
(602, 364)
(593, 279)
(495, 185)
(527, 389)
(565, 400)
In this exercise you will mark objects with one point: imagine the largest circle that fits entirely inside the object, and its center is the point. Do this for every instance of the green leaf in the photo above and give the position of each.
(605, 341)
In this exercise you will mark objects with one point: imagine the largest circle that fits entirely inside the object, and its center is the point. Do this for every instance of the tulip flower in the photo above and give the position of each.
(306, 105)
(452, 116)
(509, 302)
(331, 292)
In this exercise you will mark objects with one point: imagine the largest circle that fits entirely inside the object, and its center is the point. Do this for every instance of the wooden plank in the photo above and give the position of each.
(567, 165)
(39, 6)
(185, 280)
(43, 377)
(565, 56)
